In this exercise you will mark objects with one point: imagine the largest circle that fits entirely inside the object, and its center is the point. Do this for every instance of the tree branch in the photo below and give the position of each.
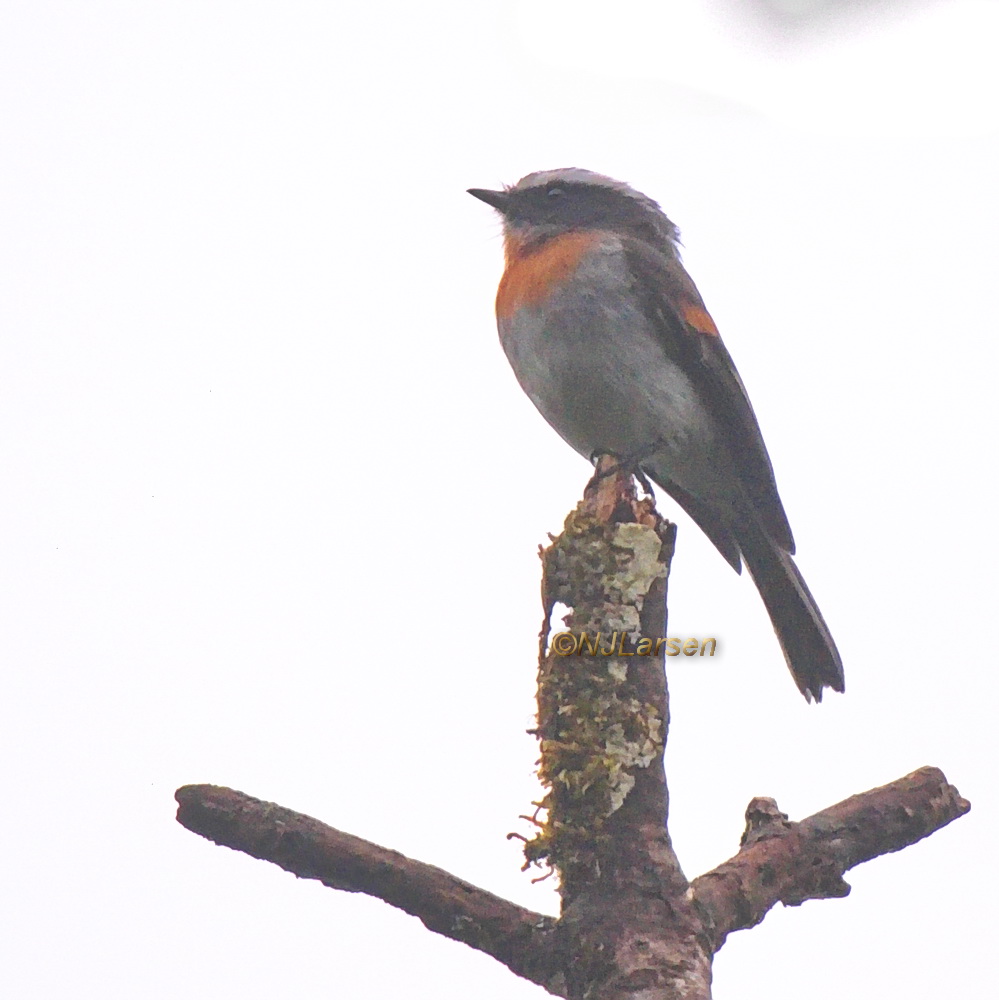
(631, 927)
(515, 936)
(787, 862)
(628, 928)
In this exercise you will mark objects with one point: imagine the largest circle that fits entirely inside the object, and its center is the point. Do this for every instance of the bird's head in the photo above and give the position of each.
(548, 203)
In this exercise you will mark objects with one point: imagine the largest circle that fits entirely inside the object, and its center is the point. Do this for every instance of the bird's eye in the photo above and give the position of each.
(555, 192)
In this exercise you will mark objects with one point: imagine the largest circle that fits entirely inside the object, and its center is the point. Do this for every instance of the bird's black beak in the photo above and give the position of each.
(500, 200)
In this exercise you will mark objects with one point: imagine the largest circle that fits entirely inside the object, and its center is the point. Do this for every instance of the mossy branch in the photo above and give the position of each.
(631, 927)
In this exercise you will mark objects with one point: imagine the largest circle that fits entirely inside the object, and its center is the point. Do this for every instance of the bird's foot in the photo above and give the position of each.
(629, 464)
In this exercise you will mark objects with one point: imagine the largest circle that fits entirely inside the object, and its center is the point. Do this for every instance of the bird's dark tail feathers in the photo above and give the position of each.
(804, 637)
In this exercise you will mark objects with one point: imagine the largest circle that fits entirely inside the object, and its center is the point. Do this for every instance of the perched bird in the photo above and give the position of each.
(609, 337)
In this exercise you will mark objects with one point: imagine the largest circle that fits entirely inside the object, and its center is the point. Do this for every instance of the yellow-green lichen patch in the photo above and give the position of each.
(595, 733)
(641, 567)
(593, 562)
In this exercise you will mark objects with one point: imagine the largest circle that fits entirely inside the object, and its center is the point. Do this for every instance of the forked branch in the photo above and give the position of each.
(632, 927)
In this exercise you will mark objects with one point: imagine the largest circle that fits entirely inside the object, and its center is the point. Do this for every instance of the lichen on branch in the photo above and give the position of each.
(595, 727)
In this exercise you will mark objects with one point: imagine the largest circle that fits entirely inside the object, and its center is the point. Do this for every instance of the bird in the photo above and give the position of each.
(609, 337)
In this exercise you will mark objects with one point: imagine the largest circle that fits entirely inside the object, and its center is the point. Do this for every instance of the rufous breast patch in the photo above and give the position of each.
(532, 274)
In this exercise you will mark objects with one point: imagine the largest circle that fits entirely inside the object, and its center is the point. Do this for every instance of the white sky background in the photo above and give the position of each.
(272, 496)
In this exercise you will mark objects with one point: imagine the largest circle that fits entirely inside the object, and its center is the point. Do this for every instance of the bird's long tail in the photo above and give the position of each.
(804, 637)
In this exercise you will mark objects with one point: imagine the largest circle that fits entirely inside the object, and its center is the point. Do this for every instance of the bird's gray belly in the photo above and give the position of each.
(594, 368)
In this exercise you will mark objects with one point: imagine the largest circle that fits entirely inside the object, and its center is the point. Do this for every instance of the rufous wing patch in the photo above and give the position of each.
(696, 316)
(532, 274)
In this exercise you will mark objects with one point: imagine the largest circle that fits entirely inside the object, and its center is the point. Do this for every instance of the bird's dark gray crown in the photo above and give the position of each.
(573, 198)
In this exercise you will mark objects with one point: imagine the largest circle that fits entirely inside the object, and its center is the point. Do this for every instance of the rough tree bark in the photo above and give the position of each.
(632, 927)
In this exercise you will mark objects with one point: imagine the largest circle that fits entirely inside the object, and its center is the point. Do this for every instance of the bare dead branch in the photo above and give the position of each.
(515, 936)
(789, 862)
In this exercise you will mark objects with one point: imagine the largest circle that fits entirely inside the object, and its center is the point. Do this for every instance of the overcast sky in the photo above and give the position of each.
(272, 497)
